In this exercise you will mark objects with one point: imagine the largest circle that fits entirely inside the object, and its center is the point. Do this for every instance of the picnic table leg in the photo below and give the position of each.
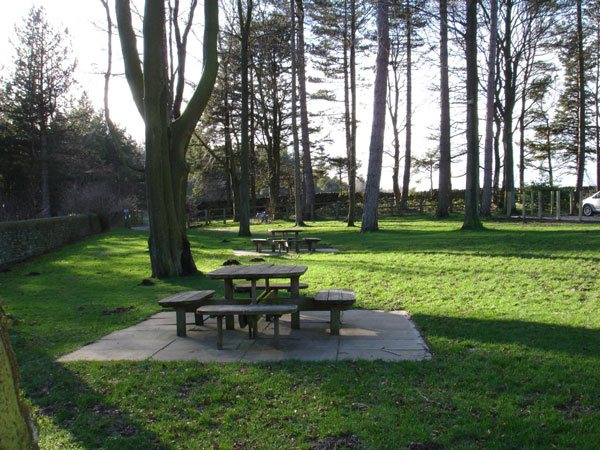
(335, 322)
(180, 317)
(220, 332)
(199, 318)
(253, 326)
(295, 293)
(276, 330)
(229, 296)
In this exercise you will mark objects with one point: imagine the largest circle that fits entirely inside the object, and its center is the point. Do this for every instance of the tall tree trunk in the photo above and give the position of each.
(165, 239)
(297, 179)
(352, 149)
(443, 203)
(472, 221)
(580, 102)
(347, 95)
(530, 52)
(230, 163)
(497, 162)
(396, 141)
(244, 229)
(396, 174)
(253, 164)
(166, 142)
(308, 179)
(549, 154)
(369, 220)
(509, 105)
(45, 178)
(408, 149)
(486, 196)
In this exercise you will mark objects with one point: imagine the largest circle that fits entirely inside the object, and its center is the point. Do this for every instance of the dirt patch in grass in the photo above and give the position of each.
(119, 310)
(345, 441)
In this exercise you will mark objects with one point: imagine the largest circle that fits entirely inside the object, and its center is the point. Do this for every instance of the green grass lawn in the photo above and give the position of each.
(512, 316)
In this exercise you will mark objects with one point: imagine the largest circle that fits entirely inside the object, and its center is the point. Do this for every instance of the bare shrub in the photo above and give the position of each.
(98, 198)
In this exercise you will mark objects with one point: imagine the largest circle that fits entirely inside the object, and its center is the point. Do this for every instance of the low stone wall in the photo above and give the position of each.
(27, 238)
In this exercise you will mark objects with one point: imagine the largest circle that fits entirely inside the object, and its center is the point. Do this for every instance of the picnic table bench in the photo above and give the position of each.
(186, 302)
(310, 241)
(252, 311)
(333, 300)
(259, 242)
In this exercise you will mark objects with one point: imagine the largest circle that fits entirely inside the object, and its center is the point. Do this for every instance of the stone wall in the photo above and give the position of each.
(27, 238)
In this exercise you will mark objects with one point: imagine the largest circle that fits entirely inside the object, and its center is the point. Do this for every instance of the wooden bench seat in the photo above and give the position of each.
(259, 242)
(336, 299)
(333, 300)
(276, 287)
(281, 244)
(254, 311)
(186, 302)
(310, 242)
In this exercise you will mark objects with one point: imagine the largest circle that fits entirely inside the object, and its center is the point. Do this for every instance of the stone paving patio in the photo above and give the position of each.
(365, 334)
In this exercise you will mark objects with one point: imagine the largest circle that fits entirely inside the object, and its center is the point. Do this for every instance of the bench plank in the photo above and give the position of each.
(186, 302)
(184, 298)
(252, 310)
(335, 295)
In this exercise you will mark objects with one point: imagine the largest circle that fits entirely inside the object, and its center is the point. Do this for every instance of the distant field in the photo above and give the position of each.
(512, 315)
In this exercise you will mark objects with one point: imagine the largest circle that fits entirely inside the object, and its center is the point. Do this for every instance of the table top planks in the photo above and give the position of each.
(256, 272)
(285, 230)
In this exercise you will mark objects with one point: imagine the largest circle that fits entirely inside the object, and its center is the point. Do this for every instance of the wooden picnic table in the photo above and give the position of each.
(258, 272)
(254, 273)
(284, 232)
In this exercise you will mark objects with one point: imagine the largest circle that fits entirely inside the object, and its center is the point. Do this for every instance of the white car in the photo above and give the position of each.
(591, 204)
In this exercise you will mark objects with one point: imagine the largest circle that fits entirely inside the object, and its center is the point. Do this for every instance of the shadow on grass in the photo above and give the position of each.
(535, 335)
(62, 397)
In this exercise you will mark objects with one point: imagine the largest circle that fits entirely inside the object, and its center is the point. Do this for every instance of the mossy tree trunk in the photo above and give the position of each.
(16, 425)
(167, 131)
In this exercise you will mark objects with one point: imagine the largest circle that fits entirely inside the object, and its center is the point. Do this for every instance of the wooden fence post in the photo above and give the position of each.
(206, 214)
(551, 203)
(539, 204)
(557, 205)
(571, 203)
(531, 201)
(224, 216)
(524, 203)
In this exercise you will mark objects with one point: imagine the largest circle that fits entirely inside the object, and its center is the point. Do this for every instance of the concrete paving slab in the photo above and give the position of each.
(129, 348)
(365, 334)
